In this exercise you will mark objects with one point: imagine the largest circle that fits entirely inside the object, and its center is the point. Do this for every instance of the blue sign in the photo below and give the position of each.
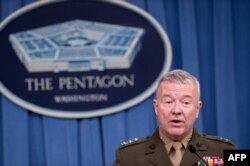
(82, 60)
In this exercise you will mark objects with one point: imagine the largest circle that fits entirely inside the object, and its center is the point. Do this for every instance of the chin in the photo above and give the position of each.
(176, 134)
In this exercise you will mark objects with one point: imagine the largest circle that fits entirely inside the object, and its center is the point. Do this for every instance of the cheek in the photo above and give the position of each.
(191, 116)
(192, 113)
(163, 113)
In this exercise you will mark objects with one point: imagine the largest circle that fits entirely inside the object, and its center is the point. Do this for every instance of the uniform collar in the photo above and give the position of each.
(157, 155)
(169, 142)
(156, 152)
(197, 141)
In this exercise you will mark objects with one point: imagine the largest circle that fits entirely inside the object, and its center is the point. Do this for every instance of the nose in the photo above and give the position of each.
(177, 109)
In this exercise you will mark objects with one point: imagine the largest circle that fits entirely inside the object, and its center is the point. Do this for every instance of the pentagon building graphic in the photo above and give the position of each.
(77, 45)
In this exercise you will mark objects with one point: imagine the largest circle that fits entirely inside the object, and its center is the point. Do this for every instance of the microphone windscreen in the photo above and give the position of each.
(191, 148)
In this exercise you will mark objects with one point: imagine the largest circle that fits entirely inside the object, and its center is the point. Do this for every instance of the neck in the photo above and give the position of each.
(169, 138)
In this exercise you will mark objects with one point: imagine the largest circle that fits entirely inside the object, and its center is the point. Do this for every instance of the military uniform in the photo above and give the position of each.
(151, 151)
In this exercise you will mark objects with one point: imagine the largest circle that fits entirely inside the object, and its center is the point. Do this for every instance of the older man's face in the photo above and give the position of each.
(177, 107)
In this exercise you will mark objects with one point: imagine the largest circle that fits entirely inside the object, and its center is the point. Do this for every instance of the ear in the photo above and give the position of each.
(155, 104)
(199, 105)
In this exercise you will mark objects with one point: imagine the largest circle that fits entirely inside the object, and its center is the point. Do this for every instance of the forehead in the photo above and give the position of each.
(167, 88)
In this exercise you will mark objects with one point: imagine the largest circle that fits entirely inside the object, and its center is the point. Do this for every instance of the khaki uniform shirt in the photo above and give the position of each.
(151, 151)
(168, 142)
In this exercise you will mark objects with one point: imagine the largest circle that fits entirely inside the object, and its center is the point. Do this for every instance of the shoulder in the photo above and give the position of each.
(219, 140)
(132, 152)
(134, 143)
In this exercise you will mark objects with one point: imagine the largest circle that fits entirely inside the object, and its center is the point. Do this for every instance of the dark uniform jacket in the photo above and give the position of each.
(151, 151)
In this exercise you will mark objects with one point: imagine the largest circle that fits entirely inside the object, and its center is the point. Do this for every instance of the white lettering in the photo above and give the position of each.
(81, 98)
(92, 82)
(243, 157)
(41, 84)
(231, 157)
(237, 156)
(70, 83)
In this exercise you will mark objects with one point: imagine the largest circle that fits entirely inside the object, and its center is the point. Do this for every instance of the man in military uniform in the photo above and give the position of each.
(176, 142)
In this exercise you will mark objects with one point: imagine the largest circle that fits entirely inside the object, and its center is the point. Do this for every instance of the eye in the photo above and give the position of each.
(186, 103)
(167, 101)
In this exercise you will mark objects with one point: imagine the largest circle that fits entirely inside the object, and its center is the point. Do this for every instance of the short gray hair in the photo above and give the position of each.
(181, 77)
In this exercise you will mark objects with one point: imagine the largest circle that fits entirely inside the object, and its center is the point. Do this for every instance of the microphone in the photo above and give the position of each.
(192, 149)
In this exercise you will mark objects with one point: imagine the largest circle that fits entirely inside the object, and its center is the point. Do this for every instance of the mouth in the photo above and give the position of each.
(176, 122)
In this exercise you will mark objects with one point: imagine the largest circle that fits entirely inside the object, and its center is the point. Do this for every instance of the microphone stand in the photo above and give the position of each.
(192, 149)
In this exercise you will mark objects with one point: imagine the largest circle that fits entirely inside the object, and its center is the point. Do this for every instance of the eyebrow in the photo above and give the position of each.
(185, 96)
